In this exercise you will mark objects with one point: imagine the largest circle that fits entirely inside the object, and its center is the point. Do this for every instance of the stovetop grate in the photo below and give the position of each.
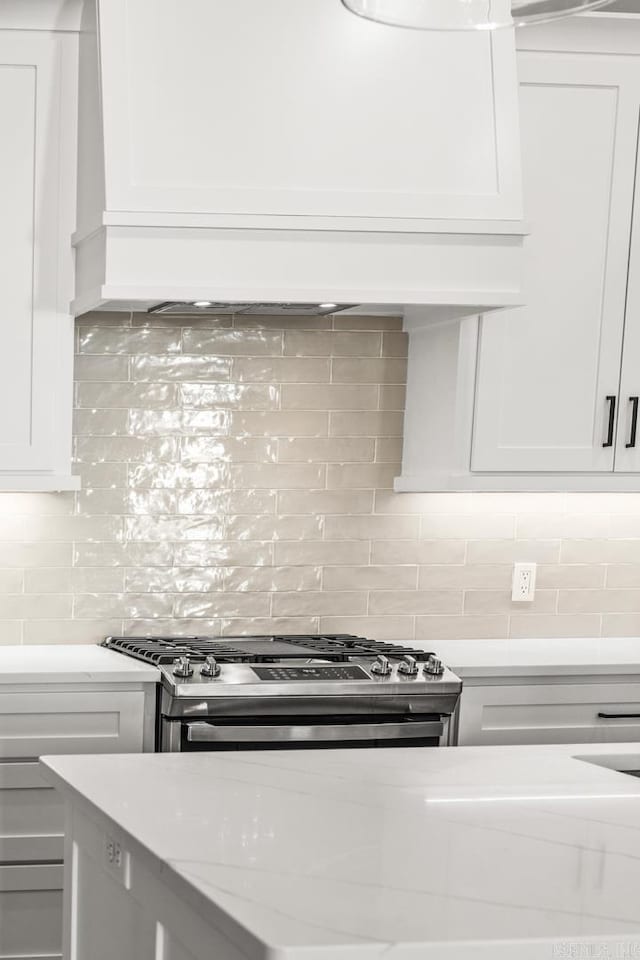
(336, 648)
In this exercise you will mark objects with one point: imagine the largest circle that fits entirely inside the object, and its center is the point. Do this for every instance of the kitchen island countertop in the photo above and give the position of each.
(470, 852)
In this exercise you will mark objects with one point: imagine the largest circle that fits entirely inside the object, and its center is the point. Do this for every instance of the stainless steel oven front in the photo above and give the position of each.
(295, 723)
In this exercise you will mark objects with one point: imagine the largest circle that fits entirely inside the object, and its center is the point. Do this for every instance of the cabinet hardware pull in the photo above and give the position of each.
(619, 716)
(612, 419)
(634, 422)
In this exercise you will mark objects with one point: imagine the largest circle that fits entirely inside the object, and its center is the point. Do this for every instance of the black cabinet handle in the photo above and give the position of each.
(612, 421)
(619, 716)
(634, 422)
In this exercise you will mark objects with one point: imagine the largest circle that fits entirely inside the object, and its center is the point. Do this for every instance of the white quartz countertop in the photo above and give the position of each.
(71, 663)
(530, 658)
(408, 854)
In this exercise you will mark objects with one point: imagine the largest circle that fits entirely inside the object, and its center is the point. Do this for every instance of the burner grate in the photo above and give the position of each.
(159, 650)
(348, 646)
(335, 647)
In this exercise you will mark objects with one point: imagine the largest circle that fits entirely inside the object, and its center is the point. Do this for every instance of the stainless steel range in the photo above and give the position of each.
(279, 692)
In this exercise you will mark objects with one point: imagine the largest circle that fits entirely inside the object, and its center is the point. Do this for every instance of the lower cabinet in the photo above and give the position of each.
(34, 722)
(118, 903)
(575, 711)
(31, 911)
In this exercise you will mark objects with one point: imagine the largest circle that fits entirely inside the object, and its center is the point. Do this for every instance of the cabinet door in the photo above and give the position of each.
(36, 199)
(549, 713)
(628, 435)
(545, 370)
(33, 724)
(31, 912)
(31, 815)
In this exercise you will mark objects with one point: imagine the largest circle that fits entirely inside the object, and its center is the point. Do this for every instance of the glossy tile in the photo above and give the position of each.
(281, 423)
(173, 579)
(98, 339)
(357, 370)
(325, 501)
(336, 396)
(180, 368)
(238, 477)
(223, 605)
(228, 449)
(126, 395)
(178, 476)
(236, 396)
(316, 604)
(370, 423)
(154, 528)
(94, 368)
(414, 602)
(268, 579)
(284, 370)
(232, 343)
(225, 502)
(224, 553)
(159, 423)
(298, 343)
(90, 422)
(326, 450)
(247, 527)
(350, 476)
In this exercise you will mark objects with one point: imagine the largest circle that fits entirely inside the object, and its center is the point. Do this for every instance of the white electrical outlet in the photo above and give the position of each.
(523, 587)
(117, 861)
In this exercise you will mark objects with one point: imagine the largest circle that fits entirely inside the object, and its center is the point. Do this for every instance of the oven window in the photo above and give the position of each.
(307, 733)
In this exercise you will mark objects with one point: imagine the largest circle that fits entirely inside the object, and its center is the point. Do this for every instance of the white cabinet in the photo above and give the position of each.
(37, 197)
(118, 902)
(541, 396)
(562, 711)
(30, 911)
(545, 370)
(51, 720)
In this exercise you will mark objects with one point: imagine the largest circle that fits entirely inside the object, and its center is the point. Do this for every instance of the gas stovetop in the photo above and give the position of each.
(289, 666)
(330, 647)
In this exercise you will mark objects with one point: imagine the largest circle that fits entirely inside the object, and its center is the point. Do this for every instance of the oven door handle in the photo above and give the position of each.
(409, 730)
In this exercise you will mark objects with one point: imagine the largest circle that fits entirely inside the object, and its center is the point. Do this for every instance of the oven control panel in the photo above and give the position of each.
(330, 673)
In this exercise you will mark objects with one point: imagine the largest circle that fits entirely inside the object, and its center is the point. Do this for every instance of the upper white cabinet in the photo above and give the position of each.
(237, 149)
(37, 197)
(541, 396)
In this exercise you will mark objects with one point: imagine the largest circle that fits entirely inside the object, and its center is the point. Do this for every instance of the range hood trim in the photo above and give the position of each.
(131, 264)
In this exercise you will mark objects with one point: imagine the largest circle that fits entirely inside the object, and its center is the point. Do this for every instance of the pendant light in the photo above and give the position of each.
(467, 14)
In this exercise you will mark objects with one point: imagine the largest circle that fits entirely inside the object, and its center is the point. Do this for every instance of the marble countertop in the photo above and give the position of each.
(490, 853)
(577, 656)
(71, 663)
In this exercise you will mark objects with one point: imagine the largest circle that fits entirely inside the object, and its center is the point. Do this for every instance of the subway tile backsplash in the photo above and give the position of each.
(237, 477)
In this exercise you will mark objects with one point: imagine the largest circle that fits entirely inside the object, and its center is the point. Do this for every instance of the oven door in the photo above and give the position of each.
(310, 733)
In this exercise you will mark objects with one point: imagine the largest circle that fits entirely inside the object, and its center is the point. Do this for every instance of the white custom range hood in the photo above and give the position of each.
(251, 151)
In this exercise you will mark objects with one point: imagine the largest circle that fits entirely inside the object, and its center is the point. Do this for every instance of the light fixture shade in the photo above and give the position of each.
(466, 14)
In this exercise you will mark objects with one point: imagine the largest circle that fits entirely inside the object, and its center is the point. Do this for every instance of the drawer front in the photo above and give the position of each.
(550, 713)
(30, 912)
(31, 815)
(33, 724)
